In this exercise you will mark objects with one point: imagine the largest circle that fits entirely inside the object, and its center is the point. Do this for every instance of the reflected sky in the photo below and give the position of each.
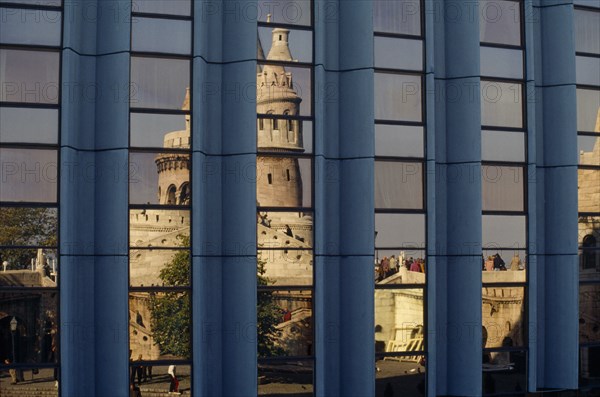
(300, 43)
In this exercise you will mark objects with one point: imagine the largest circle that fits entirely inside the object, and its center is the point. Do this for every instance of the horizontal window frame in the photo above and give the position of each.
(172, 17)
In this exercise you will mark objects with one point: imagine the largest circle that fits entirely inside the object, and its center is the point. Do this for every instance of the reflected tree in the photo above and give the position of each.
(21, 226)
(269, 315)
(170, 312)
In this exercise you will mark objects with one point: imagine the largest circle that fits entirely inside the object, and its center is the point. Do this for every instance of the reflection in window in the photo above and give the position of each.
(166, 319)
(588, 188)
(287, 267)
(22, 226)
(504, 231)
(398, 185)
(503, 188)
(497, 260)
(501, 104)
(167, 172)
(397, 97)
(504, 372)
(284, 230)
(397, 16)
(400, 230)
(589, 150)
(28, 125)
(499, 22)
(501, 62)
(19, 27)
(399, 320)
(588, 70)
(294, 12)
(50, 3)
(154, 228)
(159, 83)
(292, 377)
(589, 313)
(28, 175)
(148, 35)
(168, 7)
(284, 181)
(587, 31)
(160, 130)
(34, 316)
(400, 374)
(589, 368)
(29, 76)
(399, 140)
(389, 53)
(160, 268)
(502, 146)
(400, 266)
(588, 108)
(275, 82)
(503, 311)
(285, 322)
(283, 44)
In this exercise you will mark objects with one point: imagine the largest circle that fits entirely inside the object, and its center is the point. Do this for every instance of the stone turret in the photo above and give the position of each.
(279, 182)
(174, 168)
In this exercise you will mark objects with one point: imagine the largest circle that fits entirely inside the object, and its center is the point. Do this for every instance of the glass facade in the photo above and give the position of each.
(504, 195)
(587, 22)
(284, 197)
(300, 197)
(30, 100)
(400, 212)
(160, 196)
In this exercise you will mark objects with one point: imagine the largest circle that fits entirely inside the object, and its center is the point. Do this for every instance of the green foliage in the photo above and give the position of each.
(170, 322)
(269, 315)
(21, 226)
(177, 272)
(170, 312)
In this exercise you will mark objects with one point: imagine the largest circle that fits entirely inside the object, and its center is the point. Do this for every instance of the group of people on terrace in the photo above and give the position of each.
(496, 263)
(387, 267)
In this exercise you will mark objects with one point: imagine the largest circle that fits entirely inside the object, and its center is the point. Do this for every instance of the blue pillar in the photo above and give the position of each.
(457, 244)
(557, 313)
(76, 265)
(344, 203)
(111, 205)
(224, 200)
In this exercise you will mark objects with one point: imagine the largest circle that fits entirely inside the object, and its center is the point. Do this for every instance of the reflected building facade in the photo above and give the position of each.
(375, 138)
(153, 230)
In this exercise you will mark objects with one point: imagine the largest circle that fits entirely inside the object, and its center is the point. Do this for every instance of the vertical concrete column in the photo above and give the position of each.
(224, 198)
(531, 57)
(76, 265)
(111, 215)
(344, 200)
(556, 235)
(432, 199)
(458, 207)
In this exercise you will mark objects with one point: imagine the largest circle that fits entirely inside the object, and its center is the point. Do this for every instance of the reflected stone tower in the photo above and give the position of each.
(158, 229)
(279, 180)
(174, 168)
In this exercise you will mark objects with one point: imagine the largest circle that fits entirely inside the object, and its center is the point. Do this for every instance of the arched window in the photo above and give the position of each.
(184, 194)
(171, 195)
